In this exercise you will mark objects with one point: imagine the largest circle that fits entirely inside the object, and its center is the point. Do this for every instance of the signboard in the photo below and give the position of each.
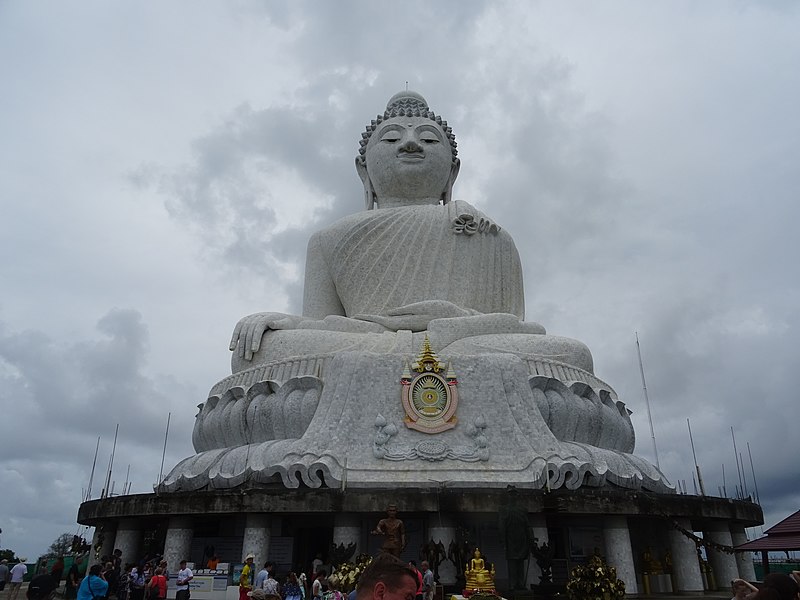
(281, 550)
(236, 571)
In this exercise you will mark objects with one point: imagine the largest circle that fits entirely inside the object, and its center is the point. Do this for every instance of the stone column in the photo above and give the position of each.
(105, 535)
(443, 530)
(347, 530)
(744, 560)
(129, 540)
(256, 539)
(722, 564)
(539, 530)
(178, 542)
(619, 551)
(685, 567)
(109, 543)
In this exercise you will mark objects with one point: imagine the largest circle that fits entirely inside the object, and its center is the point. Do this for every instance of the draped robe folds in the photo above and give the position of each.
(391, 257)
(324, 388)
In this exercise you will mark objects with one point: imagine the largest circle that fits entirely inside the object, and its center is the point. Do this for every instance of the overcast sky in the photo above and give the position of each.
(162, 166)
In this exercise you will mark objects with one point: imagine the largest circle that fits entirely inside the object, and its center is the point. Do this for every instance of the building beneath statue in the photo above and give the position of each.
(290, 527)
(412, 379)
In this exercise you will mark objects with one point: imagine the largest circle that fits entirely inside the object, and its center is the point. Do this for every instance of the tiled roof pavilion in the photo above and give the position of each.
(783, 536)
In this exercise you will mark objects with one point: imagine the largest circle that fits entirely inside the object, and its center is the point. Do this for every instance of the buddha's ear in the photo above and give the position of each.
(369, 195)
(447, 195)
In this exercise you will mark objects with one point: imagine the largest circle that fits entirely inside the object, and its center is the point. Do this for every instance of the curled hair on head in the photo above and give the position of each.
(95, 570)
(409, 104)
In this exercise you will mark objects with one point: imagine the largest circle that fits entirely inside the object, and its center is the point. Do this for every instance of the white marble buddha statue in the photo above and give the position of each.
(412, 259)
(310, 392)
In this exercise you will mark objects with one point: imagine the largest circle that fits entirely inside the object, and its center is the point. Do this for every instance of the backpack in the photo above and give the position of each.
(137, 581)
(154, 592)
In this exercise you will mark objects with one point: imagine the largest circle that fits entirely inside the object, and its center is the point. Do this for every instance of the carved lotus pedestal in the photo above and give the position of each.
(369, 420)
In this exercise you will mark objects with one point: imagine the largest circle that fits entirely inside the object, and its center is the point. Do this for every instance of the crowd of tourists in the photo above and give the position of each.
(146, 579)
(267, 584)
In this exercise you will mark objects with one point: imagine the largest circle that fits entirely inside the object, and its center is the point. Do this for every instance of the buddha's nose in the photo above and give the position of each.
(411, 145)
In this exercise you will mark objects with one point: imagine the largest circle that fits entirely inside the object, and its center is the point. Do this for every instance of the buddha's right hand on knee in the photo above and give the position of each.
(246, 338)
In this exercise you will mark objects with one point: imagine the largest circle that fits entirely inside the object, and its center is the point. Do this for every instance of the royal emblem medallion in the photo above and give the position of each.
(429, 398)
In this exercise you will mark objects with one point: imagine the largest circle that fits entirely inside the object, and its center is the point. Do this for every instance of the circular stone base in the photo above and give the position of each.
(702, 511)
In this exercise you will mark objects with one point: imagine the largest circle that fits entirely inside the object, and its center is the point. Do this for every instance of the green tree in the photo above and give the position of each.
(60, 546)
(9, 555)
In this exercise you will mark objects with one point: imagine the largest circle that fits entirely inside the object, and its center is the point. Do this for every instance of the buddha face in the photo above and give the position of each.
(409, 158)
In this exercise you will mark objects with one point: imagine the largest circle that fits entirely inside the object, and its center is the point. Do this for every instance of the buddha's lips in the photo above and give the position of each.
(411, 156)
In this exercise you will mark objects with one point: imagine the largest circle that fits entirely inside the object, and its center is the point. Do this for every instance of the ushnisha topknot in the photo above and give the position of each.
(410, 104)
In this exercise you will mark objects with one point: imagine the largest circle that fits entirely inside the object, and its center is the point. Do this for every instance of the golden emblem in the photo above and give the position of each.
(429, 398)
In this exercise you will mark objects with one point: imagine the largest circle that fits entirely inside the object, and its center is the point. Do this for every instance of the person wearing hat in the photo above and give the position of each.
(18, 572)
(5, 574)
(246, 578)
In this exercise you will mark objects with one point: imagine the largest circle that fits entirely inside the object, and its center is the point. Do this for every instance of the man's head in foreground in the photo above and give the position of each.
(387, 578)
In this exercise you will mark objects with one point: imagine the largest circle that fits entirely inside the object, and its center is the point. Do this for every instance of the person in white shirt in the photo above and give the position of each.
(428, 584)
(185, 575)
(18, 572)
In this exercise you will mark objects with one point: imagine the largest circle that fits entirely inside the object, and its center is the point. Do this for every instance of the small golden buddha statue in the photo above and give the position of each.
(668, 562)
(478, 577)
(651, 564)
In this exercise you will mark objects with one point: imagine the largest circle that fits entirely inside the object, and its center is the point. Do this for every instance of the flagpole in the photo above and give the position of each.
(696, 466)
(647, 402)
(91, 475)
(164, 453)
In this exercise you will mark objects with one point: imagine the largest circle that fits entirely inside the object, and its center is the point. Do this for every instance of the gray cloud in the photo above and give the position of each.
(64, 396)
(647, 174)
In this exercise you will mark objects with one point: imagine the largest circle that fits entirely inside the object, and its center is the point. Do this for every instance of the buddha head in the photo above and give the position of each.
(407, 155)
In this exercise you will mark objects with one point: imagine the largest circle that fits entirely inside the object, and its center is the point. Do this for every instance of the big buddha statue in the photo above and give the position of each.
(411, 359)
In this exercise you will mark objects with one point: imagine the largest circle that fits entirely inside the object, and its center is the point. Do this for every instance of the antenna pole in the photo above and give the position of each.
(647, 402)
(696, 466)
(724, 487)
(755, 483)
(736, 458)
(125, 485)
(91, 475)
(111, 462)
(744, 477)
(164, 453)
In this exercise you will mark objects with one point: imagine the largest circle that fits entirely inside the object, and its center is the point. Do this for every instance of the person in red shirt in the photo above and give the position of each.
(412, 564)
(157, 586)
